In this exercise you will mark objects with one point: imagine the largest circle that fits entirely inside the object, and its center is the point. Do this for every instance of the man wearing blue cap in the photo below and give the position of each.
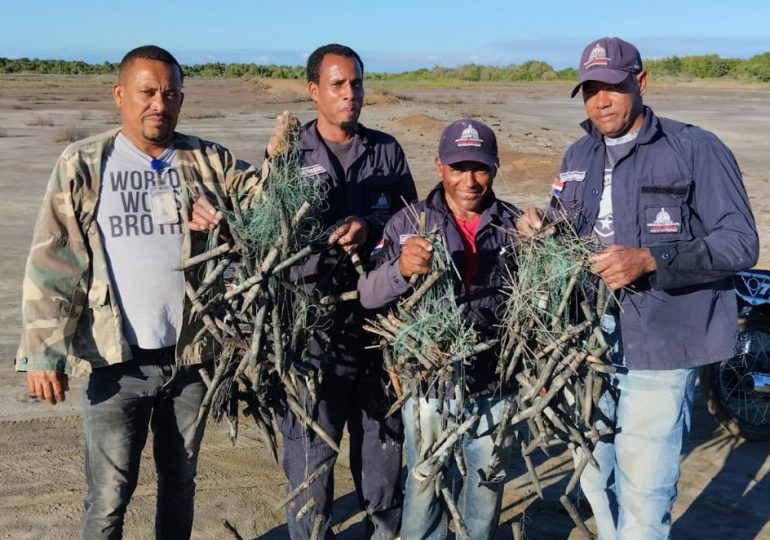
(475, 226)
(667, 201)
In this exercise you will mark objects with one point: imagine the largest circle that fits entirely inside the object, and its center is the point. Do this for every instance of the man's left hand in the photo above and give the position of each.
(284, 135)
(530, 222)
(204, 215)
(351, 234)
(619, 266)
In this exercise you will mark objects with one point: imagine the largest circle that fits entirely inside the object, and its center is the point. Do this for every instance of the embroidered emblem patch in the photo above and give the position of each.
(572, 176)
(312, 170)
(597, 57)
(469, 137)
(402, 238)
(382, 203)
(663, 224)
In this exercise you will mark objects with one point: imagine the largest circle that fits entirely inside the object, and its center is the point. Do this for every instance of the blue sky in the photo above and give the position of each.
(390, 35)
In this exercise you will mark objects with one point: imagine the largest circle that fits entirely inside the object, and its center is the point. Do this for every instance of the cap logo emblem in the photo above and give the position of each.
(597, 57)
(469, 137)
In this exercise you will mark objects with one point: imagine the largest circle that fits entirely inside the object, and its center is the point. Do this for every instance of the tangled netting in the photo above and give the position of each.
(432, 327)
(268, 219)
(425, 338)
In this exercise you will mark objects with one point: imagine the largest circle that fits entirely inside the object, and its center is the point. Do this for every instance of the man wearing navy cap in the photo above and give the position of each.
(667, 201)
(474, 225)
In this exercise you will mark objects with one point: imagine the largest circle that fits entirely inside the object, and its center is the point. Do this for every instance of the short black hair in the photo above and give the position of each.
(316, 58)
(150, 52)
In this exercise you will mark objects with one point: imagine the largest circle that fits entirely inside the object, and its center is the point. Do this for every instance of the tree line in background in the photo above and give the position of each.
(711, 66)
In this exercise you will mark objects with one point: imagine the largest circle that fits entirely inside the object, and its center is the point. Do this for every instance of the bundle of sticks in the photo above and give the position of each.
(554, 351)
(254, 302)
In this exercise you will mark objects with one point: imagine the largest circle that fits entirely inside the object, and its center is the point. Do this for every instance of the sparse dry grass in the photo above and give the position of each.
(287, 97)
(41, 121)
(389, 93)
(202, 114)
(70, 134)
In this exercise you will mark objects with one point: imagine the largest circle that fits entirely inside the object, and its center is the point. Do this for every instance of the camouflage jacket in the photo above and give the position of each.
(69, 310)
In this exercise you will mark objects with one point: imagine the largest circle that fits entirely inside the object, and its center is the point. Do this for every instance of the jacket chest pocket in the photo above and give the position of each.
(379, 195)
(664, 214)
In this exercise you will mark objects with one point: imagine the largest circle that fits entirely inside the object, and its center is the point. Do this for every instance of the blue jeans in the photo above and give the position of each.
(120, 403)
(633, 491)
(425, 516)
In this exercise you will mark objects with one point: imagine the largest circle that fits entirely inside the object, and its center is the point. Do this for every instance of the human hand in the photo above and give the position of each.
(47, 385)
(619, 266)
(350, 234)
(284, 134)
(529, 222)
(204, 215)
(416, 254)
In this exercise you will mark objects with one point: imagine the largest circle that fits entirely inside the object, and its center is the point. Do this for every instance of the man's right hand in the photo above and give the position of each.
(529, 222)
(47, 385)
(415, 258)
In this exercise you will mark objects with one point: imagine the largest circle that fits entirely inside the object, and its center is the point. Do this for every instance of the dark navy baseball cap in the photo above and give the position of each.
(609, 60)
(468, 140)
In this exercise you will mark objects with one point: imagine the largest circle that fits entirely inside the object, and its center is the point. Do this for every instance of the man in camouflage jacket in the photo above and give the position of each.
(75, 310)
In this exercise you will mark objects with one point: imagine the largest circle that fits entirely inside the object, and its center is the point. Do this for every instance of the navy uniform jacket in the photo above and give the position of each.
(678, 192)
(374, 188)
(483, 306)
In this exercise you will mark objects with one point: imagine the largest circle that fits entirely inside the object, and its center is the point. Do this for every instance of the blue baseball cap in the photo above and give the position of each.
(609, 60)
(468, 140)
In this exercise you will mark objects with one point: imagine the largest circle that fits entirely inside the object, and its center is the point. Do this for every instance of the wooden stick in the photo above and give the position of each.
(356, 260)
(232, 530)
(298, 256)
(298, 411)
(337, 298)
(208, 321)
(432, 278)
(211, 277)
(573, 513)
(534, 478)
(294, 493)
(428, 468)
(305, 509)
(387, 360)
(203, 257)
(318, 522)
(460, 527)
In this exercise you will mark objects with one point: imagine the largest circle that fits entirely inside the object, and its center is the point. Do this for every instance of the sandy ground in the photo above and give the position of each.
(724, 490)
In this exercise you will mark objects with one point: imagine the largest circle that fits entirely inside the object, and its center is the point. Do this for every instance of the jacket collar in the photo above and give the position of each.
(310, 139)
(437, 202)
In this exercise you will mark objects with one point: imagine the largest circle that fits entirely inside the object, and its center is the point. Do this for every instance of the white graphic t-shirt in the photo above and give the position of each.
(141, 227)
(615, 149)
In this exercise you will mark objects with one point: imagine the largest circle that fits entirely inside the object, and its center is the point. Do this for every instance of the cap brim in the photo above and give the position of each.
(470, 155)
(601, 74)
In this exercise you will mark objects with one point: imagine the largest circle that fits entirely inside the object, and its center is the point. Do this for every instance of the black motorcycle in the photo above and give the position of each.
(738, 390)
